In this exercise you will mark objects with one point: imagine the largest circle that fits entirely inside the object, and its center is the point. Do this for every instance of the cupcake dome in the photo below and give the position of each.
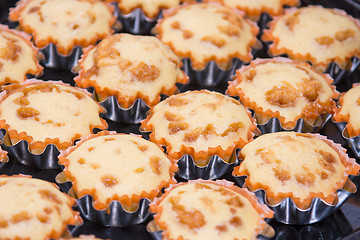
(315, 34)
(33, 209)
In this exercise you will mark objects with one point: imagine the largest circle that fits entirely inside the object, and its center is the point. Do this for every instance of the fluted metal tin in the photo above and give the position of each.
(287, 212)
(274, 125)
(52, 59)
(113, 216)
(338, 73)
(131, 115)
(136, 22)
(20, 152)
(211, 75)
(216, 168)
(353, 143)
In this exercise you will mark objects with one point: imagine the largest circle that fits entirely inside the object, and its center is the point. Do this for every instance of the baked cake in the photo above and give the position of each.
(254, 8)
(205, 32)
(18, 56)
(295, 165)
(130, 67)
(33, 209)
(65, 23)
(349, 111)
(151, 8)
(48, 112)
(315, 34)
(284, 89)
(209, 210)
(201, 124)
(122, 167)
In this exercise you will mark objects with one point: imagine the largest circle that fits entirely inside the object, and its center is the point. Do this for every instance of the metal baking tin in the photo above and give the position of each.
(353, 143)
(114, 216)
(287, 212)
(216, 168)
(52, 59)
(48, 159)
(211, 75)
(132, 115)
(274, 125)
(338, 74)
(136, 22)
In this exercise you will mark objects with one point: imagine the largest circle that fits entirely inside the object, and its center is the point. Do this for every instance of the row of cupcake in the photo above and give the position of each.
(208, 51)
(176, 125)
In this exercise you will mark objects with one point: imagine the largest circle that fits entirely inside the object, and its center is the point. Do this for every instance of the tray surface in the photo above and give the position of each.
(343, 224)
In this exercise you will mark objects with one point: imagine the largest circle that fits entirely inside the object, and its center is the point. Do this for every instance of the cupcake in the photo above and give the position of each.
(125, 69)
(34, 209)
(45, 113)
(210, 210)
(115, 176)
(302, 177)
(18, 56)
(140, 16)
(83, 23)
(346, 116)
(211, 39)
(253, 9)
(292, 92)
(316, 34)
(205, 126)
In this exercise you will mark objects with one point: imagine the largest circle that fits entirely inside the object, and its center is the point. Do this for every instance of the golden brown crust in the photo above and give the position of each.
(309, 114)
(83, 80)
(254, 13)
(351, 168)
(75, 220)
(14, 134)
(343, 62)
(263, 211)
(223, 63)
(200, 155)
(27, 40)
(15, 15)
(338, 117)
(123, 199)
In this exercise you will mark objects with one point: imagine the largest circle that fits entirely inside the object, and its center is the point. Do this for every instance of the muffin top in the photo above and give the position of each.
(209, 210)
(48, 112)
(315, 34)
(64, 23)
(207, 32)
(151, 8)
(254, 8)
(296, 165)
(130, 67)
(349, 111)
(117, 167)
(17, 56)
(285, 89)
(200, 120)
(33, 209)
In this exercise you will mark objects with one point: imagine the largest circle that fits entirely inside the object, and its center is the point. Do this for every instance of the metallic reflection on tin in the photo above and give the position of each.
(114, 216)
(353, 143)
(136, 22)
(20, 152)
(52, 59)
(216, 168)
(211, 75)
(274, 125)
(132, 115)
(287, 212)
(338, 73)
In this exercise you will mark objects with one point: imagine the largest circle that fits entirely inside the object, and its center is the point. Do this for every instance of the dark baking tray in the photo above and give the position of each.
(343, 224)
